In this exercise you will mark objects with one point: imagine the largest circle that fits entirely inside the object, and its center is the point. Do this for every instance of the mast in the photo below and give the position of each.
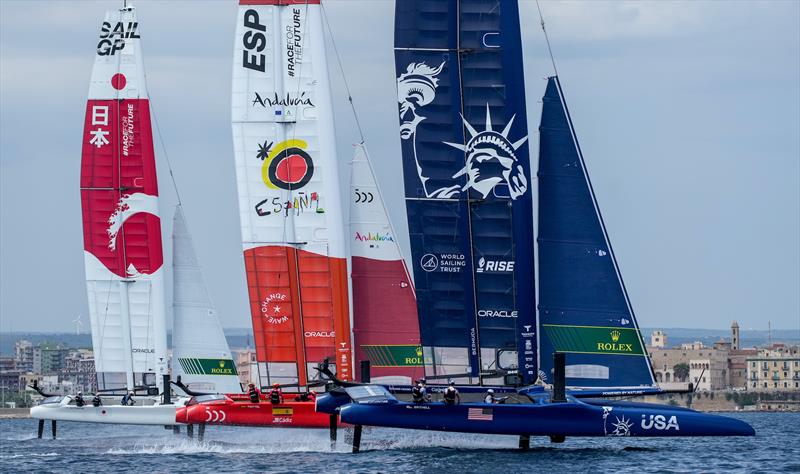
(119, 195)
(287, 173)
(467, 180)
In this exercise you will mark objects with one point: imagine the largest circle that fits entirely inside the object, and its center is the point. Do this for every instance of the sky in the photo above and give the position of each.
(688, 114)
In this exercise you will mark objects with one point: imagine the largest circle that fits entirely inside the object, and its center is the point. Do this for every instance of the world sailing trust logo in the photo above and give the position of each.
(127, 206)
(490, 156)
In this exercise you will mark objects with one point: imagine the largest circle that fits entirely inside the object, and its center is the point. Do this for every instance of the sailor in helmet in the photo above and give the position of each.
(451, 396)
(253, 393)
(275, 395)
(419, 392)
(489, 396)
(97, 401)
(79, 401)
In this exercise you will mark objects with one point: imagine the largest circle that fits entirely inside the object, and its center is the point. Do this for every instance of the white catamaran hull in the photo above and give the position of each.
(118, 414)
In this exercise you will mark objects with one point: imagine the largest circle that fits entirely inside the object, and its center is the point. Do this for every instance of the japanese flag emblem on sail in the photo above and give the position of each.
(480, 414)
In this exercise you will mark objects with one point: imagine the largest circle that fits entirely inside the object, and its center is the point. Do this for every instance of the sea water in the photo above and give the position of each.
(82, 447)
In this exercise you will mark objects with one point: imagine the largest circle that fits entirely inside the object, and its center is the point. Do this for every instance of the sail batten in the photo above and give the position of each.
(584, 309)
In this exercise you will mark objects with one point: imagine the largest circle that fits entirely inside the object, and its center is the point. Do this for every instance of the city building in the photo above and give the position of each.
(48, 359)
(23, 354)
(772, 369)
(658, 339)
(247, 366)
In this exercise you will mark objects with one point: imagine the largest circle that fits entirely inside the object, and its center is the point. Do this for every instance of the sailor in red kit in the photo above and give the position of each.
(254, 394)
(275, 395)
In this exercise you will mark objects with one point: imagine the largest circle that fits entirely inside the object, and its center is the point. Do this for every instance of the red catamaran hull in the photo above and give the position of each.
(229, 412)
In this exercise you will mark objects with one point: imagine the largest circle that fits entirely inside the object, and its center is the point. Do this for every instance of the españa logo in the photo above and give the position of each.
(614, 345)
(286, 166)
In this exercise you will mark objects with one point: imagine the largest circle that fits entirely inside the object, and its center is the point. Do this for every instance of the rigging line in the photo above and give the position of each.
(341, 71)
(546, 38)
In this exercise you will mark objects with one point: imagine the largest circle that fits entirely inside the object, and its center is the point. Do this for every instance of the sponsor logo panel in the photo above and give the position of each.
(196, 366)
(395, 355)
(594, 340)
(443, 262)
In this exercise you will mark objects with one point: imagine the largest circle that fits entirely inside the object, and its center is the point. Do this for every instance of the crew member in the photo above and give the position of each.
(79, 401)
(419, 393)
(255, 395)
(275, 395)
(96, 401)
(127, 399)
(451, 395)
(489, 396)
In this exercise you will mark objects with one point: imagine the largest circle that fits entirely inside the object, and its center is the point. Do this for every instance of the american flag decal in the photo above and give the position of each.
(482, 414)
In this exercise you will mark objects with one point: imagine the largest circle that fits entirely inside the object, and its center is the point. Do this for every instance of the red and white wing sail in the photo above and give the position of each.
(385, 325)
(288, 182)
(119, 197)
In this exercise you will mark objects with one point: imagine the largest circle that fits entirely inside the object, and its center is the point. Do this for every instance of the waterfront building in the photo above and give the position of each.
(658, 339)
(773, 369)
(48, 359)
(247, 366)
(23, 354)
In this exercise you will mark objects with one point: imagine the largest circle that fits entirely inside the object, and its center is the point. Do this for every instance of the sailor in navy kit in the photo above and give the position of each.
(451, 396)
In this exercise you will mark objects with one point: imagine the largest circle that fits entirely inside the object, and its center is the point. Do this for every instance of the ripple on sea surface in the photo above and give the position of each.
(91, 448)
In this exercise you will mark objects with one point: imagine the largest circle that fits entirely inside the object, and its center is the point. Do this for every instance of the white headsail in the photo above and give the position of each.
(200, 353)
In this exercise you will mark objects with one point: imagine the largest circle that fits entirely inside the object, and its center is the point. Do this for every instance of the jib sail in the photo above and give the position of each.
(121, 225)
(467, 181)
(287, 176)
(584, 309)
(200, 353)
(385, 326)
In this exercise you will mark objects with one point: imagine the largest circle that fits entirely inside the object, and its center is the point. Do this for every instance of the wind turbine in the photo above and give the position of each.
(78, 324)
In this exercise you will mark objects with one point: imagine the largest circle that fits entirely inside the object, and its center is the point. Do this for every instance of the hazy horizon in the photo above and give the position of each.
(688, 114)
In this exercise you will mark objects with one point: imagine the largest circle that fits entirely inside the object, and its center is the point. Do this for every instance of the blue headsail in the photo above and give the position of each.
(466, 169)
(584, 309)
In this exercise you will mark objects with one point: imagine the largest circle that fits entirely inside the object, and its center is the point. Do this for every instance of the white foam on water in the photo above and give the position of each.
(28, 455)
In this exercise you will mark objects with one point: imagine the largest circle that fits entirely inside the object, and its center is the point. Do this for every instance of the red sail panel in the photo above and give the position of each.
(386, 327)
(119, 188)
(299, 307)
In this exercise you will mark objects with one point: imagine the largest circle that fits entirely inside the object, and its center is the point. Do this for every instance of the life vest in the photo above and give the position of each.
(416, 394)
(275, 396)
(450, 394)
(253, 395)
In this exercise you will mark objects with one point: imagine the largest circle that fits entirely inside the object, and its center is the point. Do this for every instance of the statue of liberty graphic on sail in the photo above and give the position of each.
(489, 156)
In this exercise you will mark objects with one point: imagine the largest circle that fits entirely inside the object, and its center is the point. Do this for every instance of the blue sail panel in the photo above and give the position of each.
(583, 307)
(467, 178)
(499, 180)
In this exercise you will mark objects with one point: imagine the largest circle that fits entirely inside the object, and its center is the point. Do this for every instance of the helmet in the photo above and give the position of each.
(80, 393)
(252, 385)
(451, 382)
(421, 380)
(276, 385)
(491, 390)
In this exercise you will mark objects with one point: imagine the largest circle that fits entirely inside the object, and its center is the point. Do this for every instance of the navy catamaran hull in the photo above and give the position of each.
(551, 419)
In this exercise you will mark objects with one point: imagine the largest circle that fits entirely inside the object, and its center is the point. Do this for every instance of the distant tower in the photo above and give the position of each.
(735, 336)
(658, 339)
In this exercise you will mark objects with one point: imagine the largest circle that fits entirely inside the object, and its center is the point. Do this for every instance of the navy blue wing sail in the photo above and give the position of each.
(466, 166)
(583, 306)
